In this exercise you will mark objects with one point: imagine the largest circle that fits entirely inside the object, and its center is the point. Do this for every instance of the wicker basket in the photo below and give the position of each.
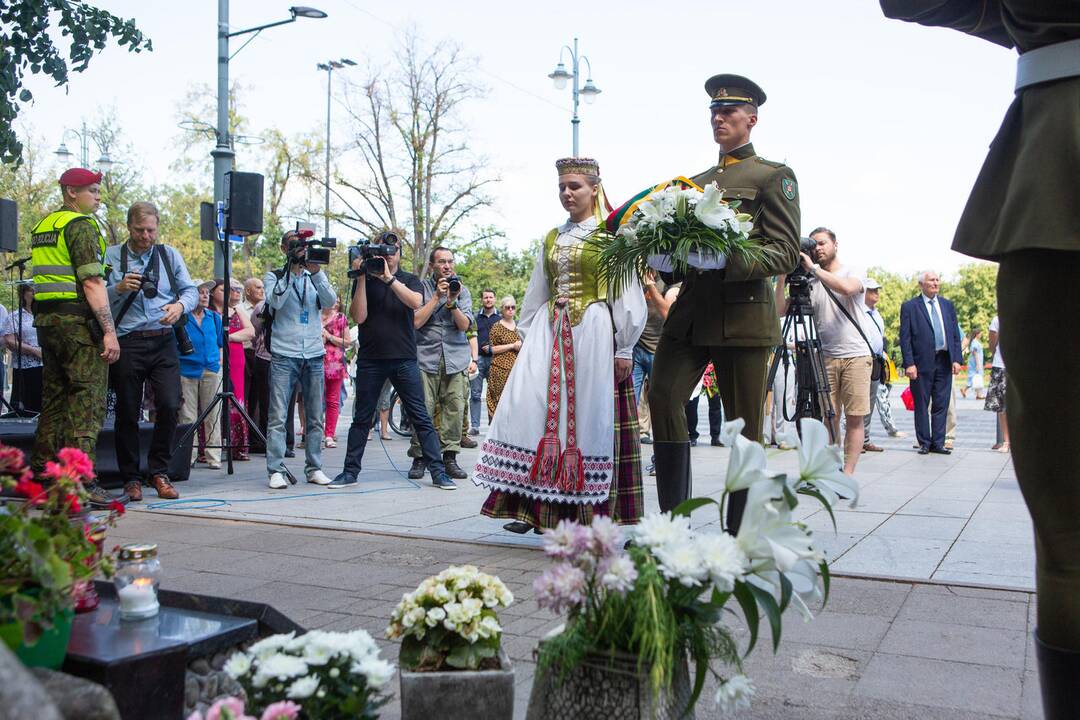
(609, 687)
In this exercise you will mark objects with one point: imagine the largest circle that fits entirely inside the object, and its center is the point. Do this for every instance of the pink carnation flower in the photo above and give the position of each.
(560, 588)
(284, 710)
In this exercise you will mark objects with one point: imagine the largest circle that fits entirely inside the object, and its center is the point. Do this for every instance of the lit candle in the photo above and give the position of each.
(139, 599)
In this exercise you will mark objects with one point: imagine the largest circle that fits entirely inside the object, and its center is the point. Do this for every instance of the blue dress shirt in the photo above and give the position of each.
(145, 313)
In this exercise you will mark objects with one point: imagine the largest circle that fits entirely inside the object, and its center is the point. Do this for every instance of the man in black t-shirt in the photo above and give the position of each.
(383, 306)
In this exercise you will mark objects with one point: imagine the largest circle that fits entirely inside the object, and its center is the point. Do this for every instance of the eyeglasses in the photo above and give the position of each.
(509, 307)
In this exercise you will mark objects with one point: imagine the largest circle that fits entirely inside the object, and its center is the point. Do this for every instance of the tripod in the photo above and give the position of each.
(18, 409)
(225, 398)
(812, 392)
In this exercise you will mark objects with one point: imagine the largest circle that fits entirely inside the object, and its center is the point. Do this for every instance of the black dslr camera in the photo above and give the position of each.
(373, 254)
(318, 249)
(455, 283)
(148, 286)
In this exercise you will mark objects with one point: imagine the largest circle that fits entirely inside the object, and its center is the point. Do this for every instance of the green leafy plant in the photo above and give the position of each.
(449, 621)
(45, 545)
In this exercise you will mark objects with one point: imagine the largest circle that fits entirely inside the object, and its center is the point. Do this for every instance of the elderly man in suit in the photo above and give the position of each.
(930, 345)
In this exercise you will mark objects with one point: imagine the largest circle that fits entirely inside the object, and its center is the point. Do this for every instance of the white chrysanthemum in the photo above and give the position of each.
(269, 646)
(414, 616)
(303, 688)
(377, 671)
(489, 627)
(238, 665)
(682, 562)
(619, 574)
(659, 529)
(734, 695)
(724, 561)
(282, 666)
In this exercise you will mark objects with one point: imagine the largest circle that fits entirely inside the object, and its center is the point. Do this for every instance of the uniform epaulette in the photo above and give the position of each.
(770, 163)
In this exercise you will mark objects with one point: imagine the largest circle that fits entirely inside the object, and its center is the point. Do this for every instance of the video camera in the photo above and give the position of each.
(374, 254)
(798, 281)
(318, 249)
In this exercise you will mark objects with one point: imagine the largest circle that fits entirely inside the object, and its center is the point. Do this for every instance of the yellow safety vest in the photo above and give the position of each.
(54, 273)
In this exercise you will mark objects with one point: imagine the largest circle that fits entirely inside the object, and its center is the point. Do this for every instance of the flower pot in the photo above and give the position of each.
(459, 694)
(51, 647)
(608, 686)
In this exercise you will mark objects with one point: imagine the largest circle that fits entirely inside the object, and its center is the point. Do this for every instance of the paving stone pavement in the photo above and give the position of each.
(949, 519)
(881, 649)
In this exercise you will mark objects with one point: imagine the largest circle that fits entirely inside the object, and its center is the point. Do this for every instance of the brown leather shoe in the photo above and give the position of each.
(164, 488)
(467, 442)
(133, 489)
(871, 447)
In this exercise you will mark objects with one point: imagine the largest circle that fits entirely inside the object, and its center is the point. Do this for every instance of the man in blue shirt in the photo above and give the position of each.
(150, 290)
(294, 298)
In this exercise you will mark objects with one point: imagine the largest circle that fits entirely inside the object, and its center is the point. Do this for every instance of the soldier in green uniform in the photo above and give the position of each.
(74, 324)
(728, 315)
(1024, 214)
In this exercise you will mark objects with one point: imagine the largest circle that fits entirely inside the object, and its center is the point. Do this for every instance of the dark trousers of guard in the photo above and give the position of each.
(1042, 401)
(145, 358)
(404, 375)
(677, 368)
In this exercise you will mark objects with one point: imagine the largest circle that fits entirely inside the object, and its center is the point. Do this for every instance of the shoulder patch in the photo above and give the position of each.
(787, 186)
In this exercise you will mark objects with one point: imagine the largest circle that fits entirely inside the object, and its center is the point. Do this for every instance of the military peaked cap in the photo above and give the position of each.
(733, 90)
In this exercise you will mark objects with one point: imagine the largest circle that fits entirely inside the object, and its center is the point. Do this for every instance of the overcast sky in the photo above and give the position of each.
(884, 123)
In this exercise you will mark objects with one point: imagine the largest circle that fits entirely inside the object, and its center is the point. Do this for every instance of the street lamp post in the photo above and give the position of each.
(559, 76)
(329, 66)
(104, 163)
(223, 153)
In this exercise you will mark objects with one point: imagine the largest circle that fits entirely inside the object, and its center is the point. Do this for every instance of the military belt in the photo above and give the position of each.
(1050, 62)
(63, 308)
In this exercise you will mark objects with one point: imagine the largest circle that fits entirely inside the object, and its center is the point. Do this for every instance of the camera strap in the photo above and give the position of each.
(848, 316)
(157, 255)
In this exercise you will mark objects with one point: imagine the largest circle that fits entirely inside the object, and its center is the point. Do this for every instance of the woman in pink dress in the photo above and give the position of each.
(240, 331)
(335, 335)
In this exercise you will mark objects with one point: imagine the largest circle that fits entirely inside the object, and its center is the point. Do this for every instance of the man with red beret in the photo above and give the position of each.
(74, 324)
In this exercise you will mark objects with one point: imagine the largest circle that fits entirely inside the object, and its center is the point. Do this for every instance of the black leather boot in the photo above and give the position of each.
(673, 480)
(452, 468)
(1059, 677)
(419, 467)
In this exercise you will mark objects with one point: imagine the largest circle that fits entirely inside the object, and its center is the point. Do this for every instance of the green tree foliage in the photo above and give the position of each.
(26, 43)
(974, 293)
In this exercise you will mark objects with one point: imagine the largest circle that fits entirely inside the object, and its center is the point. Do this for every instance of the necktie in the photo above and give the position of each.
(939, 332)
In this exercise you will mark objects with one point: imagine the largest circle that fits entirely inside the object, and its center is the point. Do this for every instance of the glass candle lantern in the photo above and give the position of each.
(138, 573)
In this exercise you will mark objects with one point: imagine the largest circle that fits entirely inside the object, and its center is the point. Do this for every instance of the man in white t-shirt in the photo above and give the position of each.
(995, 394)
(848, 363)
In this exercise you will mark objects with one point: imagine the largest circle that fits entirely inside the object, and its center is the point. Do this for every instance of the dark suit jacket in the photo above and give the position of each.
(735, 306)
(917, 334)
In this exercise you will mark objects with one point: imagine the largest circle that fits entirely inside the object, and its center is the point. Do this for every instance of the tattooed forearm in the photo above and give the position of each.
(104, 318)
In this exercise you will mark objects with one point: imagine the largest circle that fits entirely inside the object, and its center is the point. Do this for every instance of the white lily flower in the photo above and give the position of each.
(746, 463)
(734, 695)
(711, 209)
(821, 464)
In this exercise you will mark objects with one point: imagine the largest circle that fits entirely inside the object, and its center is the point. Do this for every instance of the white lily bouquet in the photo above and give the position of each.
(672, 226)
(330, 674)
(664, 597)
(449, 622)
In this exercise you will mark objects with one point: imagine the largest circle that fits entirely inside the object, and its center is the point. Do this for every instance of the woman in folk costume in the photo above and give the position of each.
(564, 440)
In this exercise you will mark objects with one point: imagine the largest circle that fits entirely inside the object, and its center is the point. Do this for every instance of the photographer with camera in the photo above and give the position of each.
(384, 303)
(150, 294)
(444, 357)
(295, 296)
(836, 296)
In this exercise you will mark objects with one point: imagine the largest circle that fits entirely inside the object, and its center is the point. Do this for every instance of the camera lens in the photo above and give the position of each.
(149, 288)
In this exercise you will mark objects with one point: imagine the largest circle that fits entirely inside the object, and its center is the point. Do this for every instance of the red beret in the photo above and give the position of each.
(79, 177)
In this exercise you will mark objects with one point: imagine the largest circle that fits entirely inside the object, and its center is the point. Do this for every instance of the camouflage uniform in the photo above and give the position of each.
(75, 375)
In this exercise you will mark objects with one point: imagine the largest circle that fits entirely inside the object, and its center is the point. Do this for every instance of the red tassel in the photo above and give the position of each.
(571, 471)
(545, 466)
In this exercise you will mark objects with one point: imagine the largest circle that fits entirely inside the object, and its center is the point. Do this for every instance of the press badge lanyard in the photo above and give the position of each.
(302, 299)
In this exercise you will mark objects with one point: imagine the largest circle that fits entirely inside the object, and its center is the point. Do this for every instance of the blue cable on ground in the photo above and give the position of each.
(208, 503)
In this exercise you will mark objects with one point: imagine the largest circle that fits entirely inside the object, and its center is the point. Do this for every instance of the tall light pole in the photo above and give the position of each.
(223, 153)
(589, 92)
(104, 163)
(329, 66)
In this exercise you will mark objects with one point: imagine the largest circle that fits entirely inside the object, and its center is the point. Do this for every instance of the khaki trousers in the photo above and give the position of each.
(197, 394)
(450, 394)
(1043, 397)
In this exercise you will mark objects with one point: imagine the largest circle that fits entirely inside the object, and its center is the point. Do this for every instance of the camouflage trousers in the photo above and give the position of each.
(73, 386)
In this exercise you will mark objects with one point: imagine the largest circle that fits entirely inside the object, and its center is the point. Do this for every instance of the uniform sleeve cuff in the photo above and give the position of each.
(89, 270)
